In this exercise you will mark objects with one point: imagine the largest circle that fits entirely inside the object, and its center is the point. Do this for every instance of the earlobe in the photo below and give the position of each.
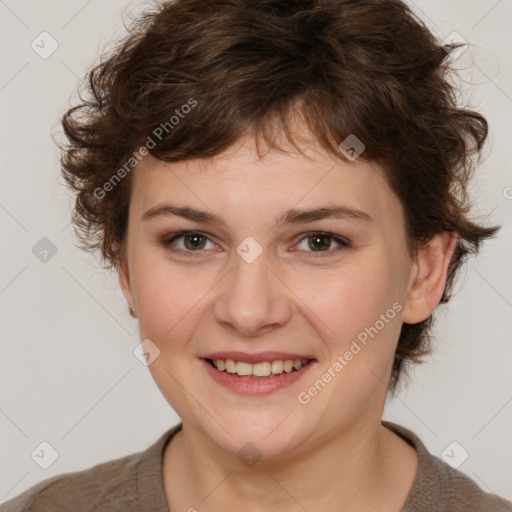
(428, 277)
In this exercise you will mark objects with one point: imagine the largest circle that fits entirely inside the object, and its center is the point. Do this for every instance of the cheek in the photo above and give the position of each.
(352, 300)
(356, 312)
(170, 302)
(357, 316)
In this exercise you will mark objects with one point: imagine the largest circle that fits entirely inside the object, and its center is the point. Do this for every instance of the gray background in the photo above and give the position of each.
(68, 374)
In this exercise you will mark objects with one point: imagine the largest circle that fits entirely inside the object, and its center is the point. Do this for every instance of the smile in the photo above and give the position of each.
(261, 374)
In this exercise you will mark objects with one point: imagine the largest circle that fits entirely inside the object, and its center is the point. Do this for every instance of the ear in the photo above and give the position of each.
(125, 284)
(428, 277)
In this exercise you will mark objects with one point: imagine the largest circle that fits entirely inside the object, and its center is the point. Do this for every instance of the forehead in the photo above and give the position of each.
(241, 183)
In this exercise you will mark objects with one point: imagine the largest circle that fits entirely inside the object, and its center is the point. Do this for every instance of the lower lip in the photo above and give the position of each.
(259, 386)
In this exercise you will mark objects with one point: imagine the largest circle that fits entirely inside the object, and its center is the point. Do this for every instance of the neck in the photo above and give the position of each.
(360, 468)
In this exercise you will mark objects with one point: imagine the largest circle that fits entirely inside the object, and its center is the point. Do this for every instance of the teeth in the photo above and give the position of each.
(230, 366)
(277, 366)
(243, 368)
(263, 369)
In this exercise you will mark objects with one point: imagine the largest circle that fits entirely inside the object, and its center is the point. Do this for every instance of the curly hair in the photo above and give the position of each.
(364, 67)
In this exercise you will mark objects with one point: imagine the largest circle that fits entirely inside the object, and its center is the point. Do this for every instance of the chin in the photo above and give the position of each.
(267, 434)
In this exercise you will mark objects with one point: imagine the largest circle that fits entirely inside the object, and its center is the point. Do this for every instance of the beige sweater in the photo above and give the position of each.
(134, 483)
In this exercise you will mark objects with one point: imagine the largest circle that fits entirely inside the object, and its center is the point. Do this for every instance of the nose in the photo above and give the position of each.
(253, 299)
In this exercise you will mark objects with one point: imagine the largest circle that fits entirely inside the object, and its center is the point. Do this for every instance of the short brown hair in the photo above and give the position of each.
(364, 67)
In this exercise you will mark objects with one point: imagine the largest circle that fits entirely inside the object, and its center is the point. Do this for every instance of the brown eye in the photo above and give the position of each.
(193, 243)
(319, 242)
(322, 242)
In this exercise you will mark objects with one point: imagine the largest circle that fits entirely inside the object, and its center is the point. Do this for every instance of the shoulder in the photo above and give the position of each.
(124, 484)
(107, 485)
(440, 488)
(465, 494)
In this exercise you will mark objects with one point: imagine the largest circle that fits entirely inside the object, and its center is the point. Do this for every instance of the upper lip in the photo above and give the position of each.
(258, 357)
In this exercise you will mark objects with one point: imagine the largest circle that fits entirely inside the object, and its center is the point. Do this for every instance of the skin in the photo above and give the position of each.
(332, 453)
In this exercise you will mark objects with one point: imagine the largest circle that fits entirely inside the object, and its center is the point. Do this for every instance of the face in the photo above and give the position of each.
(327, 292)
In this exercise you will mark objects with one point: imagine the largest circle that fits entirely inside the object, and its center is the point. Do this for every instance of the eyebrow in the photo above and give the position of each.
(291, 216)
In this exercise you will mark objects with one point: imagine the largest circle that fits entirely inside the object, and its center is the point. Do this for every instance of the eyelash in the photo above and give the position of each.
(166, 242)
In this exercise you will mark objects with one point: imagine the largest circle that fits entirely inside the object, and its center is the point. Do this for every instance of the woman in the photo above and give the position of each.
(280, 186)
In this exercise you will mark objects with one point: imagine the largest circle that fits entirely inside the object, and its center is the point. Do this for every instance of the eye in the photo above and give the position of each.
(318, 241)
(193, 241)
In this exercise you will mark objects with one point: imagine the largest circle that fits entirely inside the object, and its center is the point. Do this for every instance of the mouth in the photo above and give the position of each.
(260, 370)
